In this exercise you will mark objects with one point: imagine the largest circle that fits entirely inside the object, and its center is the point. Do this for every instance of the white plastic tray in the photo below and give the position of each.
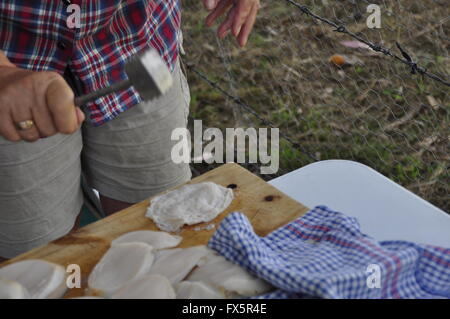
(385, 210)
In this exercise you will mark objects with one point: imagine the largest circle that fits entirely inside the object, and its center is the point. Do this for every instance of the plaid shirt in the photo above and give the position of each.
(35, 35)
(324, 254)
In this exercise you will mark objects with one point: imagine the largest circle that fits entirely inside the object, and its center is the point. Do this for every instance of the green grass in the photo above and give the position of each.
(356, 112)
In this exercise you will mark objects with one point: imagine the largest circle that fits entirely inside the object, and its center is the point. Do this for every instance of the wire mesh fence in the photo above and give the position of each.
(336, 89)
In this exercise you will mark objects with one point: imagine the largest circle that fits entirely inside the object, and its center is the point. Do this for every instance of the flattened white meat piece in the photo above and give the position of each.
(40, 278)
(176, 264)
(156, 239)
(189, 205)
(197, 290)
(231, 278)
(12, 290)
(120, 264)
(147, 287)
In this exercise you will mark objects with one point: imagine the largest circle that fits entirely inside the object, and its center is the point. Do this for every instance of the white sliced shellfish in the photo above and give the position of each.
(176, 264)
(40, 278)
(12, 290)
(147, 287)
(189, 205)
(156, 239)
(228, 277)
(121, 263)
(197, 290)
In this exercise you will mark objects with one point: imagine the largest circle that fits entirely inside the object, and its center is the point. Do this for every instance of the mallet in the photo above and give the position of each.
(146, 72)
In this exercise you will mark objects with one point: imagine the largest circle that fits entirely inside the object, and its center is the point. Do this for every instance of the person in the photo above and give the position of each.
(119, 144)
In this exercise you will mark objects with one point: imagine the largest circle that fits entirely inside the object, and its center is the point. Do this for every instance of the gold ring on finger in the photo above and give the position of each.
(25, 125)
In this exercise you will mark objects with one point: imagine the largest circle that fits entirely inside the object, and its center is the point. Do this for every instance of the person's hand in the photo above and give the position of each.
(44, 98)
(240, 18)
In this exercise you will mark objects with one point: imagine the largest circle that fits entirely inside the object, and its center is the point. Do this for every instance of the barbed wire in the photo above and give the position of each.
(341, 28)
(250, 110)
(391, 13)
(374, 113)
(415, 68)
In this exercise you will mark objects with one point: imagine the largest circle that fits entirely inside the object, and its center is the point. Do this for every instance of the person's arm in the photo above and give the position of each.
(240, 18)
(41, 97)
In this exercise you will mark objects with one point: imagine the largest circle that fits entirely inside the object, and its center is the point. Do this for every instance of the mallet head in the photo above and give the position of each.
(146, 72)
(149, 74)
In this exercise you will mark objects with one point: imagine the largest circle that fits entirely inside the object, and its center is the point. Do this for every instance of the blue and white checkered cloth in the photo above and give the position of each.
(324, 254)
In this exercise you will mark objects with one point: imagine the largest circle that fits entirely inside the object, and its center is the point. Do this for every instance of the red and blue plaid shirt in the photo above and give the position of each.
(35, 35)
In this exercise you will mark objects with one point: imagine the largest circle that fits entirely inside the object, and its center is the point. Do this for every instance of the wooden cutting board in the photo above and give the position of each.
(266, 207)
